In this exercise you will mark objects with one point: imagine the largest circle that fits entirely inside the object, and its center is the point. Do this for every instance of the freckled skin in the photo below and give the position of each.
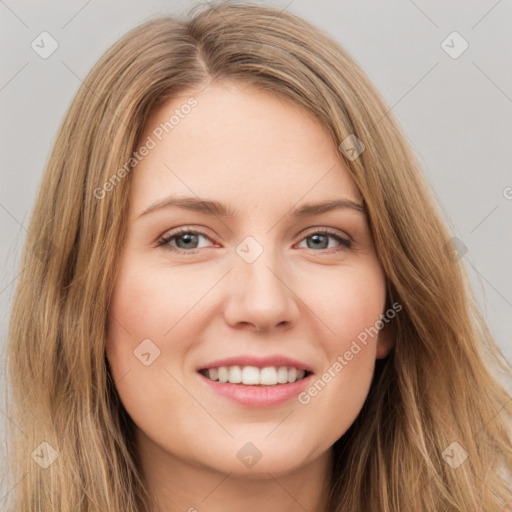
(261, 156)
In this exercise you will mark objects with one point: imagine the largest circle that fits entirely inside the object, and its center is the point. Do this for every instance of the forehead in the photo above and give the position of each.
(240, 145)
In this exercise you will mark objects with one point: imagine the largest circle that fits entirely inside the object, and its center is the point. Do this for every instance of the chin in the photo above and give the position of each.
(255, 460)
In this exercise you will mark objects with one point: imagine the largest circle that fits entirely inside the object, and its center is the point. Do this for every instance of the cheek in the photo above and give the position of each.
(151, 302)
(142, 310)
(154, 321)
(134, 318)
(349, 304)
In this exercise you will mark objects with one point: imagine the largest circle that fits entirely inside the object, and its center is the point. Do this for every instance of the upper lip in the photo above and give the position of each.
(259, 362)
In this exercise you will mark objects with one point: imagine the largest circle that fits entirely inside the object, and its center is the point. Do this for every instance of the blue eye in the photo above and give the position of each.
(186, 241)
(320, 238)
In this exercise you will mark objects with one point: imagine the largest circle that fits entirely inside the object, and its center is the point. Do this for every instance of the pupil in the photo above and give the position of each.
(187, 238)
(316, 237)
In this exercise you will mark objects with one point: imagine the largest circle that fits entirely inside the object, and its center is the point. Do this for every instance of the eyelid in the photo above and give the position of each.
(330, 231)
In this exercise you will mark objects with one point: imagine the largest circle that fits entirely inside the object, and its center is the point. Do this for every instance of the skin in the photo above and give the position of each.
(262, 156)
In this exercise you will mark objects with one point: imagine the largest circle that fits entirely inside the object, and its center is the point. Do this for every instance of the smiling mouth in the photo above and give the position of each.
(254, 376)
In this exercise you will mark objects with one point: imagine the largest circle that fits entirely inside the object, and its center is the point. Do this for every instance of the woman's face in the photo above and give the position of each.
(252, 279)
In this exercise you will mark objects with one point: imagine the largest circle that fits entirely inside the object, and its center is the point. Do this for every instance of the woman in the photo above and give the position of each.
(242, 295)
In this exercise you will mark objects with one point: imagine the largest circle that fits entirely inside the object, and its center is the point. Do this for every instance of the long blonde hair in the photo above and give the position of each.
(70, 444)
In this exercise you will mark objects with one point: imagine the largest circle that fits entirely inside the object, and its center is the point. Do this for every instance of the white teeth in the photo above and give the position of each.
(282, 375)
(223, 374)
(235, 374)
(268, 376)
(251, 375)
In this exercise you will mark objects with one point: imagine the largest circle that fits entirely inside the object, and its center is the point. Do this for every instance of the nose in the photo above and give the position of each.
(260, 295)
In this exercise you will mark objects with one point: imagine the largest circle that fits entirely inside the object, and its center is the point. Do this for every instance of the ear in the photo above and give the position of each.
(385, 340)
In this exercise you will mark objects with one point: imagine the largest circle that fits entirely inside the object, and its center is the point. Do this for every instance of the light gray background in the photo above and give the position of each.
(455, 112)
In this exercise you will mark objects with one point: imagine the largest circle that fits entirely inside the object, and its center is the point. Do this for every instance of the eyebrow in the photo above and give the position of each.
(212, 207)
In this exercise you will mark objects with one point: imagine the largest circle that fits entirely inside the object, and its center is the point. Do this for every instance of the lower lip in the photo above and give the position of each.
(258, 396)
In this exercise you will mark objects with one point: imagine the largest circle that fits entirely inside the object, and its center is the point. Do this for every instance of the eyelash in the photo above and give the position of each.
(164, 241)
